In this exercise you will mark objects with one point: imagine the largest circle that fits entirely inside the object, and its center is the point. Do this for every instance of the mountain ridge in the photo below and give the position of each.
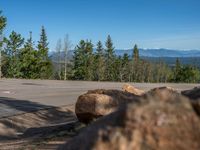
(161, 52)
(149, 52)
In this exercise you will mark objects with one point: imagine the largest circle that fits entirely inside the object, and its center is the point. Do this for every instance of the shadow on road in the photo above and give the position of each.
(17, 116)
(11, 106)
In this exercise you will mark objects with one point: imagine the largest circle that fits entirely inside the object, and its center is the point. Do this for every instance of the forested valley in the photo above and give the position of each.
(26, 59)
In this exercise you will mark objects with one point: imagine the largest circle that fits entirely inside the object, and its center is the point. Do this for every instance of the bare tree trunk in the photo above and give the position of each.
(58, 49)
(65, 73)
(67, 46)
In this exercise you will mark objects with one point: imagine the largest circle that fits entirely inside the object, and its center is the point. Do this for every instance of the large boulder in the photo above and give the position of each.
(131, 89)
(97, 103)
(151, 124)
(194, 95)
(162, 93)
(196, 106)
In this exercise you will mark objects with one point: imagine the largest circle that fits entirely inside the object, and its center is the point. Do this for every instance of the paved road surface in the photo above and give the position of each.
(17, 96)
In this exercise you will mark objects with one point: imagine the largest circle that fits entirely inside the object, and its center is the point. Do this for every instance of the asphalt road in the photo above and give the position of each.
(18, 96)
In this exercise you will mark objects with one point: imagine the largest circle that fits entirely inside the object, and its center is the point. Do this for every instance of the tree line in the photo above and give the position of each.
(22, 58)
(102, 64)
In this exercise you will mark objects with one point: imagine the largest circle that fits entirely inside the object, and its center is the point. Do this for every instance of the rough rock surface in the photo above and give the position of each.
(162, 93)
(153, 123)
(131, 89)
(196, 106)
(97, 103)
(194, 95)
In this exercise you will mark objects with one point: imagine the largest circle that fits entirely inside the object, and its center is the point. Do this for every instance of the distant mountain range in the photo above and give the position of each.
(152, 53)
(161, 53)
(168, 56)
(186, 57)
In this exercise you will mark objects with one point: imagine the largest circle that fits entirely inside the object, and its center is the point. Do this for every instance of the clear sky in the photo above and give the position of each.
(171, 24)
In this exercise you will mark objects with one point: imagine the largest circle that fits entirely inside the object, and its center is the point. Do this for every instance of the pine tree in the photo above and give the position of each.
(177, 71)
(135, 53)
(3, 22)
(99, 67)
(135, 64)
(178, 65)
(190, 74)
(43, 44)
(109, 59)
(79, 63)
(100, 50)
(29, 60)
(83, 61)
(89, 60)
(125, 67)
(13, 44)
(117, 68)
(44, 61)
(12, 50)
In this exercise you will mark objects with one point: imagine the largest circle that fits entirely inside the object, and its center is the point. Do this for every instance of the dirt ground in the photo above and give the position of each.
(31, 109)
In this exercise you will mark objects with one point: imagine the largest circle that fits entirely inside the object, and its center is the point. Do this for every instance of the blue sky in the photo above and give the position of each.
(173, 24)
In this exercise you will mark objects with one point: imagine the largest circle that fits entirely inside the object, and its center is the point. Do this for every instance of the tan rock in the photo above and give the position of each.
(131, 89)
(162, 93)
(97, 103)
(155, 124)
